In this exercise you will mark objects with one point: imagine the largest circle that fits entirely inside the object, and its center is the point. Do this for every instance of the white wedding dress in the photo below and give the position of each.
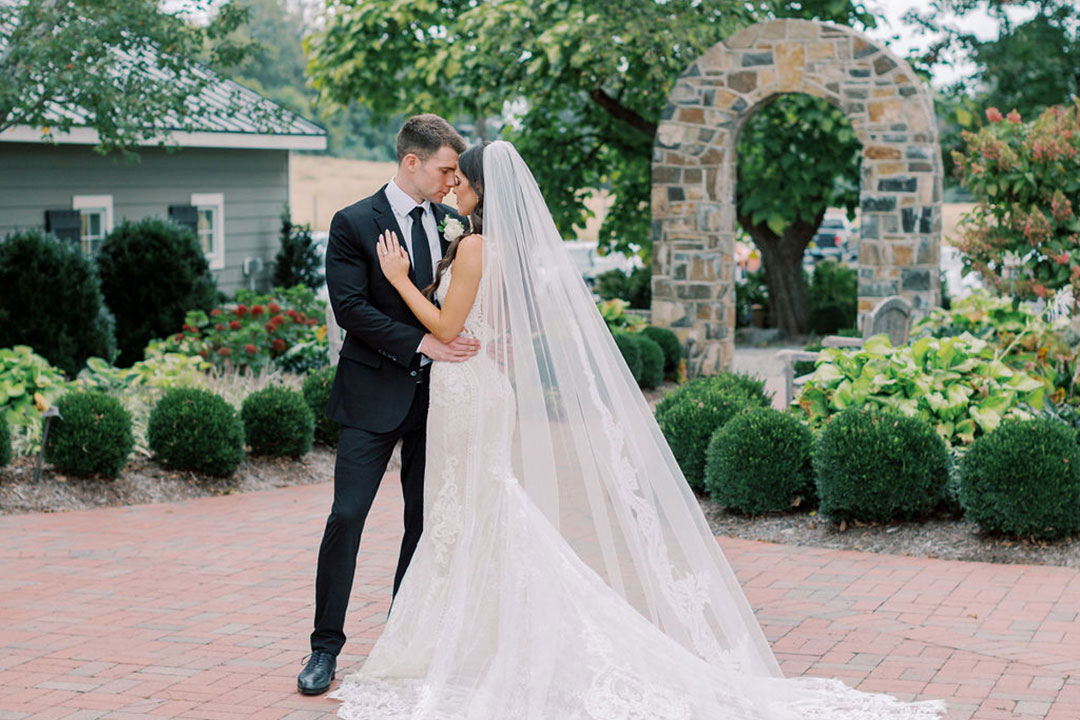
(511, 611)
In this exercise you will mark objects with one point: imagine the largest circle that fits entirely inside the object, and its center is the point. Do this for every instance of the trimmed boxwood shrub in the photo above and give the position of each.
(690, 415)
(51, 300)
(92, 436)
(5, 442)
(1023, 479)
(669, 343)
(152, 273)
(277, 421)
(631, 352)
(194, 429)
(316, 390)
(652, 362)
(759, 462)
(876, 466)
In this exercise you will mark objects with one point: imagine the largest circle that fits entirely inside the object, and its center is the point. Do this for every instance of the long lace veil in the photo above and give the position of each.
(585, 446)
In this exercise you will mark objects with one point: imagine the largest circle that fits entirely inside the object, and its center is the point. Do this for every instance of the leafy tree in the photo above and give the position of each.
(581, 84)
(797, 156)
(131, 66)
(298, 261)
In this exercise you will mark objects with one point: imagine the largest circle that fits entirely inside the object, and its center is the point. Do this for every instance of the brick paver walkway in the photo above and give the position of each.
(202, 610)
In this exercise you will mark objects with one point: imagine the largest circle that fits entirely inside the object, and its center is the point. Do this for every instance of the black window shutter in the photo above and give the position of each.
(186, 215)
(64, 224)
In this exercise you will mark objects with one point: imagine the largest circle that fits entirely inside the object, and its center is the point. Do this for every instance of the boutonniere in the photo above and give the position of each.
(451, 228)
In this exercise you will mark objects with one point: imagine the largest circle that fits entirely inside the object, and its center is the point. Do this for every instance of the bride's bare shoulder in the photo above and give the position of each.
(470, 245)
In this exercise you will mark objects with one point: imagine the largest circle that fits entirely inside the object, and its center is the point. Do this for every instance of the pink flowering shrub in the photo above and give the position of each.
(1023, 237)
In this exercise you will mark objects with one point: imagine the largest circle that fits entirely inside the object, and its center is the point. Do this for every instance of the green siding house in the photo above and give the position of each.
(228, 181)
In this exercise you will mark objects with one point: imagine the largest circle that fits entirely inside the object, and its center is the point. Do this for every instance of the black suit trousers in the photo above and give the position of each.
(362, 457)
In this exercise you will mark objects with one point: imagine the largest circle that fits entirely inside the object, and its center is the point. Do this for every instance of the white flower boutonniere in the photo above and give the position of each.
(451, 229)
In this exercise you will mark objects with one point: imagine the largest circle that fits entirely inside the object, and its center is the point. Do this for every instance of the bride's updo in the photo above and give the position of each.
(471, 165)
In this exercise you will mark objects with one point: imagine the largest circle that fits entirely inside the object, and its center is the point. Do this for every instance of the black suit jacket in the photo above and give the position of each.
(376, 374)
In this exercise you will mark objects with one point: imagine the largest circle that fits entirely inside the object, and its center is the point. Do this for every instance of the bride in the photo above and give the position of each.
(566, 571)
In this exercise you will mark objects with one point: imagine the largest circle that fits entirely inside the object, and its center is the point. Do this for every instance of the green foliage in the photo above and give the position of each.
(1021, 236)
(5, 442)
(28, 386)
(630, 349)
(317, 386)
(689, 415)
(593, 82)
(50, 299)
(284, 329)
(70, 54)
(298, 261)
(876, 465)
(652, 361)
(960, 385)
(1024, 479)
(193, 429)
(614, 313)
(158, 371)
(760, 462)
(91, 437)
(277, 421)
(834, 297)
(152, 272)
(634, 287)
(670, 345)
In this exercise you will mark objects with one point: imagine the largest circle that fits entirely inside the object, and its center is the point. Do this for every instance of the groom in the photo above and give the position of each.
(380, 392)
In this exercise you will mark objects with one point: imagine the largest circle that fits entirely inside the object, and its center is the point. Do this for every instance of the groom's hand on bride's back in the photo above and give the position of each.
(457, 350)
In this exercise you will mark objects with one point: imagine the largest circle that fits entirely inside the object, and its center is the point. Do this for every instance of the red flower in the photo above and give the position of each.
(270, 327)
(1013, 117)
(204, 354)
(291, 313)
(235, 325)
(256, 310)
(215, 312)
(224, 352)
(219, 326)
(278, 345)
(178, 337)
(250, 349)
(994, 115)
(278, 320)
(274, 308)
(241, 310)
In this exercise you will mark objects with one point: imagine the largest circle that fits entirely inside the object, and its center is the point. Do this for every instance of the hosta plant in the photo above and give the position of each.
(28, 386)
(961, 385)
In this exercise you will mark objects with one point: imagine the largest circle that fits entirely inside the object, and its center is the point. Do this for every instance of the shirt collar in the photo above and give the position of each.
(400, 201)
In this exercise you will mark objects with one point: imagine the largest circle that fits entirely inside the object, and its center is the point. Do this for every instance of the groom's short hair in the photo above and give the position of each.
(423, 135)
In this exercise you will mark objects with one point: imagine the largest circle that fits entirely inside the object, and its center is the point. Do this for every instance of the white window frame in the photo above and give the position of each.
(95, 202)
(215, 202)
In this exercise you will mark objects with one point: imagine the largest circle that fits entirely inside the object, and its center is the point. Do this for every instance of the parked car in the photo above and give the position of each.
(833, 239)
(591, 263)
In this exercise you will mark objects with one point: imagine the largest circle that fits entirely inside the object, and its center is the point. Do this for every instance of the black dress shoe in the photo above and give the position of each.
(316, 676)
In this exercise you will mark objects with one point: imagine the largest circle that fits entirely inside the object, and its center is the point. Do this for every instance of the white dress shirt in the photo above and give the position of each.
(402, 204)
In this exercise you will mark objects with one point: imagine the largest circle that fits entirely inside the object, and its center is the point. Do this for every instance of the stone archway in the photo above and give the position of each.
(694, 161)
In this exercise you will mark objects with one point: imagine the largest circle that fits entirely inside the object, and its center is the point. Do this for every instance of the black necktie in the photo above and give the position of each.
(421, 253)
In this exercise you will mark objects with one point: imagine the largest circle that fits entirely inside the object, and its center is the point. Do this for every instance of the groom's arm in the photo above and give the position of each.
(347, 272)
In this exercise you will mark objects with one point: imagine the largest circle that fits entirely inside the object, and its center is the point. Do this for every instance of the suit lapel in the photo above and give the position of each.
(385, 220)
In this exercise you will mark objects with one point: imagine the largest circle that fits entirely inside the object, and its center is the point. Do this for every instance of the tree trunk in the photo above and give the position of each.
(781, 255)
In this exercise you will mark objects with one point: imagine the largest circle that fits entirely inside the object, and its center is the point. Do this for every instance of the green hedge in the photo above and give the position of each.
(316, 389)
(193, 429)
(631, 352)
(759, 462)
(277, 421)
(92, 436)
(669, 343)
(1023, 479)
(878, 466)
(5, 441)
(652, 362)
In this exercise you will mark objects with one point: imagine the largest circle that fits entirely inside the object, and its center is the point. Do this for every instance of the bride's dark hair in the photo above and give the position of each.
(471, 165)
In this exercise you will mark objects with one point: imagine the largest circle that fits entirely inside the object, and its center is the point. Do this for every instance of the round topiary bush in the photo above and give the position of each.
(1023, 479)
(875, 465)
(316, 390)
(91, 436)
(50, 299)
(152, 273)
(690, 415)
(759, 462)
(631, 352)
(5, 442)
(669, 343)
(193, 429)
(652, 363)
(277, 421)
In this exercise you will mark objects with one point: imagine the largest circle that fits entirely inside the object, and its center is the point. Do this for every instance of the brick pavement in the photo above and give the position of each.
(202, 609)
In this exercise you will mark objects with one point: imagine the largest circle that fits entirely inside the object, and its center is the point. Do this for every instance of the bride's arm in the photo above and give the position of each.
(445, 323)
